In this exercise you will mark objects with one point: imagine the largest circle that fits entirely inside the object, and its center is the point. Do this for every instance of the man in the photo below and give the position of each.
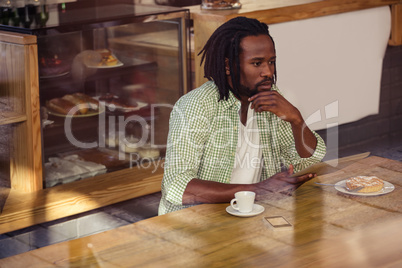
(236, 132)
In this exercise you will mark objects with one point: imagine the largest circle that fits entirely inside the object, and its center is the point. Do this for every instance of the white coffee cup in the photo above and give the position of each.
(243, 201)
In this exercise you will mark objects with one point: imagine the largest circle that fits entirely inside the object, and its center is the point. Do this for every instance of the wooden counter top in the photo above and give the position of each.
(330, 229)
(26, 209)
(277, 11)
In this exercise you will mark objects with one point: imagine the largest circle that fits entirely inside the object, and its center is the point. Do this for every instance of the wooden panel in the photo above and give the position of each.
(19, 95)
(17, 38)
(26, 209)
(34, 143)
(201, 35)
(11, 117)
(26, 162)
(396, 30)
(12, 88)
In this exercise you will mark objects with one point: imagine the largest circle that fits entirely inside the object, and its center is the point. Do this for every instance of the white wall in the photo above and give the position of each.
(330, 67)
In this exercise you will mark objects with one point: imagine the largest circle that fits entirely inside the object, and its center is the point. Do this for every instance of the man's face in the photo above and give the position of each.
(257, 64)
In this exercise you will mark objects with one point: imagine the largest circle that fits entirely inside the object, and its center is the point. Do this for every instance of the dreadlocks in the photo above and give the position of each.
(225, 43)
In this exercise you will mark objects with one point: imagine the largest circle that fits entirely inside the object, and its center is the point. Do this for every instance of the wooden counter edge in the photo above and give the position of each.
(290, 12)
(22, 210)
(26, 209)
(17, 38)
(396, 22)
(306, 11)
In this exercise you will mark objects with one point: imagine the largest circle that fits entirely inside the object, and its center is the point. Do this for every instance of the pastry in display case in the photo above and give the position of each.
(109, 74)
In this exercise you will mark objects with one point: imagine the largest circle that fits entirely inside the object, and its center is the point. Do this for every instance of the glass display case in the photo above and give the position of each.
(109, 74)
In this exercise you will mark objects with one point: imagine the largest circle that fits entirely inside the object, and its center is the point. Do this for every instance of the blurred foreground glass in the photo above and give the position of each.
(220, 4)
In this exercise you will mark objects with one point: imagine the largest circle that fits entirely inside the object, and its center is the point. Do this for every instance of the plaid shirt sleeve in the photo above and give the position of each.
(189, 129)
(183, 155)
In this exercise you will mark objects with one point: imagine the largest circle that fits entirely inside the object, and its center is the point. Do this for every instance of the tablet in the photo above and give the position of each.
(331, 165)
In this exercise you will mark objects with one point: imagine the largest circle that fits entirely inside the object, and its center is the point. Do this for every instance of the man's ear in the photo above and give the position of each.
(227, 69)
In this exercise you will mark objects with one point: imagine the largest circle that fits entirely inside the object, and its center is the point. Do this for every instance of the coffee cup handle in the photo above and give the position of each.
(233, 205)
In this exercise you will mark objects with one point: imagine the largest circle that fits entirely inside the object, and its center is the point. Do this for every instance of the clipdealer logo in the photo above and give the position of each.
(331, 114)
(115, 126)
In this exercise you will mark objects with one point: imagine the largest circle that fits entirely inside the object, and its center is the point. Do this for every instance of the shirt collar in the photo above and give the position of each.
(231, 101)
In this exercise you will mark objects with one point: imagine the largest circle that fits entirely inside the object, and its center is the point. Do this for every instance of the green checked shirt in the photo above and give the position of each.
(202, 143)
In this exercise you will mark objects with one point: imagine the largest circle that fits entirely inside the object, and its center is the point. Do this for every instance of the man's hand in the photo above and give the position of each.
(201, 191)
(272, 101)
(281, 183)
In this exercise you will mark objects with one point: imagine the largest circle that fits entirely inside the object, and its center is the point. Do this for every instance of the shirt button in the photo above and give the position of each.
(235, 127)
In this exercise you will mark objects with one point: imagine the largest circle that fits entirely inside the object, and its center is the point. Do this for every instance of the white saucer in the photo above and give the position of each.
(257, 209)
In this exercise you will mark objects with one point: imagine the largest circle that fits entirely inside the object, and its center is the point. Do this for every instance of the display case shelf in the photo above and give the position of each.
(7, 118)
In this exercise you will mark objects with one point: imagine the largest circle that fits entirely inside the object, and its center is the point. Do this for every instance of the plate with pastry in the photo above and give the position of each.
(115, 103)
(74, 105)
(53, 67)
(106, 60)
(364, 186)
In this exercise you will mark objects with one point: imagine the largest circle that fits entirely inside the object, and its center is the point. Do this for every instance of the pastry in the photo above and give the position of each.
(90, 102)
(369, 184)
(61, 106)
(104, 52)
(111, 141)
(107, 58)
(82, 106)
(129, 145)
(52, 66)
(118, 103)
(149, 152)
(109, 61)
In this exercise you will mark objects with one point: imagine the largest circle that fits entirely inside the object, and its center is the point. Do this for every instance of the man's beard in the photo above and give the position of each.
(247, 92)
